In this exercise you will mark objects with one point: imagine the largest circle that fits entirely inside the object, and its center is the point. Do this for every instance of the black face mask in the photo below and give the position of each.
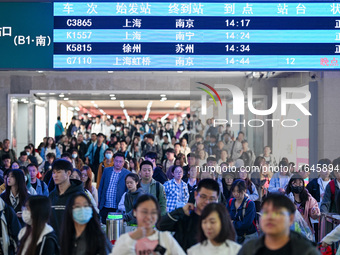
(297, 189)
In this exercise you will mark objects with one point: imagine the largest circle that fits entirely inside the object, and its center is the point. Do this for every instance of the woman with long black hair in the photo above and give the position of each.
(37, 237)
(81, 232)
(15, 193)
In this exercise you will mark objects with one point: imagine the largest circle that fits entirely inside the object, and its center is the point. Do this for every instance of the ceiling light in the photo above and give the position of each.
(61, 95)
(163, 95)
(110, 71)
(92, 102)
(77, 108)
(176, 105)
(113, 98)
(179, 71)
(66, 98)
(95, 105)
(112, 95)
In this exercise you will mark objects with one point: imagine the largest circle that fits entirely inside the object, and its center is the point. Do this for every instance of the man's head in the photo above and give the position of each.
(146, 171)
(198, 138)
(207, 192)
(150, 138)
(177, 148)
(170, 154)
(5, 144)
(23, 156)
(211, 161)
(244, 145)
(66, 156)
(97, 119)
(213, 139)
(267, 150)
(80, 138)
(240, 136)
(33, 171)
(93, 137)
(152, 157)
(191, 157)
(118, 161)
(6, 160)
(61, 171)
(277, 215)
(77, 123)
(100, 138)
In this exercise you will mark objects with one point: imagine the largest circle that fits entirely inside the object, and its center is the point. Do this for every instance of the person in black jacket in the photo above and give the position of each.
(277, 215)
(184, 221)
(64, 189)
(37, 237)
(158, 173)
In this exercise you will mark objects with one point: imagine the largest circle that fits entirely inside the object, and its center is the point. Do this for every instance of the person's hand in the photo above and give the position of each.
(87, 161)
(188, 207)
(19, 214)
(315, 211)
(281, 190)
(323, 244)
(139, 233)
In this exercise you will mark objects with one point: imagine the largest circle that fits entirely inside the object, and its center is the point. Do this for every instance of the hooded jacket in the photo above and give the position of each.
(130, 198)
(299, 245)
(58, 203)
(47, 243)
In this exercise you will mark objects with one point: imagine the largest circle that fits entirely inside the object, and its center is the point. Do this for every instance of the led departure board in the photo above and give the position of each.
(159, 35)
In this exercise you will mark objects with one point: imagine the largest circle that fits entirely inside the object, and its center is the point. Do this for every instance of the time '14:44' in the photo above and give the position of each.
(236, 61)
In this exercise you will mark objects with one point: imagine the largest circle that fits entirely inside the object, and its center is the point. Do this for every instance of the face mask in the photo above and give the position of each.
(297, 190)
(108, 156)
(74, 155)
(27, 152)
(181, 128)
(118, 128)
(82, 215)
(26, 217)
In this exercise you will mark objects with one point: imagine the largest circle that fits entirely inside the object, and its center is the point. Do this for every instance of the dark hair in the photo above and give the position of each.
(119, 154)
(88, 183)
(249, 183)
(146, 162)
(62, 164)
(134, 177)
(148, 197)
(50, 155)
(177, 144)
(151, 154)
(32, 164)
(209, 184)
(73, 139)
(40, 207)
(53, 144)
(151, 136)
(279, 201)
(22, 190)
(108, 149)
(241, 184)
(325, 161)
(5, 156)
(94, 236)
(136, 163)
(66, 154)
(304, 194)
(77, 171)
(227, 231)
(176, 166)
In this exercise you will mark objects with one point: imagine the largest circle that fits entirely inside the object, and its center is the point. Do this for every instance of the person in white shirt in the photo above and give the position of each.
(108, 129)
(145, 238)
(216, 232)
(97, 127)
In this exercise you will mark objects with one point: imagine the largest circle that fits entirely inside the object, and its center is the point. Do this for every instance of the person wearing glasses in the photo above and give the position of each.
(184, 221)
(242, 212)
(176, 190)
(277, 214)
(146, 239)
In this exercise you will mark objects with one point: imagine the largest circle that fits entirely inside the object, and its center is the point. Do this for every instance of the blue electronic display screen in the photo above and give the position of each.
(180, 35)
(196, 35)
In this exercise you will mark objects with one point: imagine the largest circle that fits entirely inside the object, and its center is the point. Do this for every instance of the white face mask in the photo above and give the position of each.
(26, 217)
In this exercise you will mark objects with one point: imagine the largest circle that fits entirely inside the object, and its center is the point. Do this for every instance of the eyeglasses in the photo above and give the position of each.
(146, 213)
(274, 214)
(206, 198)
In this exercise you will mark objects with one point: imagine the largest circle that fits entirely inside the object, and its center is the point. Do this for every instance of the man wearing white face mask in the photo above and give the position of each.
(107, 162)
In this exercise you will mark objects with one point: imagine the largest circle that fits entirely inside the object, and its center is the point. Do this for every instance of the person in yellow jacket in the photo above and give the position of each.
(107, 162)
